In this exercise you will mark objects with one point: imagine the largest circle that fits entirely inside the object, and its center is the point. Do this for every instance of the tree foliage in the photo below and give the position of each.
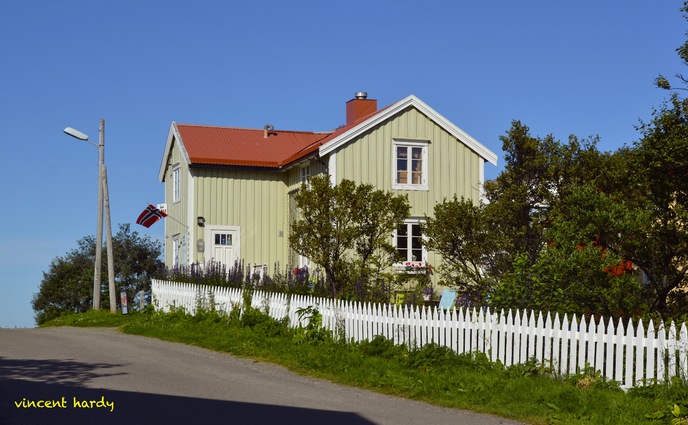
(137, 260)
(565, 215)
(460, 232)
(537, 172)
(346, 230)
(641, 214)
(573, 274)
(530, 246)
(67, 286)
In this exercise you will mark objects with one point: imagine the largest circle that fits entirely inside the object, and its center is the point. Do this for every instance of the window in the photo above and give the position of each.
(223, 239)
(259, 271)
(410, 165)
(409, 242)
(175, 251)
(176, 191)
(306, 175)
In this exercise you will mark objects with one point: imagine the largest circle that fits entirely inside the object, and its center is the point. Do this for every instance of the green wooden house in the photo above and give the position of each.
(230, 190)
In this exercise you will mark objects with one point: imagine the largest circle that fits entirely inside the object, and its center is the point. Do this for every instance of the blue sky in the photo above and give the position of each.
(583, 68)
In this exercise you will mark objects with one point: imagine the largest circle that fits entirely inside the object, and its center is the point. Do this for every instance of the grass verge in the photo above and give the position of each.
(437, 375)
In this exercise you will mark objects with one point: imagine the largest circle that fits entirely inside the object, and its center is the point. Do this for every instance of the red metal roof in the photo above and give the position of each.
(246, 147)
(231, 146)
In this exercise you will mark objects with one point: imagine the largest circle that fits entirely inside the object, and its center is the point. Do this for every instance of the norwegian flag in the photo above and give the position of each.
(149, 216)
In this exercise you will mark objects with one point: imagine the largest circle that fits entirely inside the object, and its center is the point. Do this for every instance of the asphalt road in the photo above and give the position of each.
(83, 376)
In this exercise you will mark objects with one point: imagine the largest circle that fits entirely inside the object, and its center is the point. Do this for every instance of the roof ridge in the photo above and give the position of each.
(224, 127)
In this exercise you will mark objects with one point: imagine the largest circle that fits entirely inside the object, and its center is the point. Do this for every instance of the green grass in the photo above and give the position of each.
(433, 374)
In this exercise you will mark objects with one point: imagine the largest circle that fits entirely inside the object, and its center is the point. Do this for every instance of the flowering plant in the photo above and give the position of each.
(301, 274)
(416, 267)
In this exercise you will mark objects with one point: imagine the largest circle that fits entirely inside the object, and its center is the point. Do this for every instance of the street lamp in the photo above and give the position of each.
(103, 203)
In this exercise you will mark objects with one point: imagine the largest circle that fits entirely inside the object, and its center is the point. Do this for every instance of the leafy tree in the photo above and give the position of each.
(642, 216)
(137, 260)
(518, 196)
(631, 205)
(573, 274)
(460, 232)
(505, 237)
(345, 229)
(521, 200)
(67, 286)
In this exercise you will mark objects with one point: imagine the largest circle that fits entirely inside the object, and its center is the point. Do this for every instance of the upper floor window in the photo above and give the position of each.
(306, 175)
(410, 165)
(176, 187)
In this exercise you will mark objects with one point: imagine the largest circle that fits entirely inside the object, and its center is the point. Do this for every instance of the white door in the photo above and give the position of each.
(225, 246)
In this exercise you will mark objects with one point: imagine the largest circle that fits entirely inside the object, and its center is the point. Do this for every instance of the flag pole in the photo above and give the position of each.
(169, 216)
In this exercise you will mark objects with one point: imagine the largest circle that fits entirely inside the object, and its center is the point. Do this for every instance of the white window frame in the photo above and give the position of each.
(410, 145)
(176, 251)
(259, 270)
(305, 175)
(176, 183)
(409, 236)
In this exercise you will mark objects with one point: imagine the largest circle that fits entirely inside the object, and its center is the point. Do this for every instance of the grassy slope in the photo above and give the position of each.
(431, 374)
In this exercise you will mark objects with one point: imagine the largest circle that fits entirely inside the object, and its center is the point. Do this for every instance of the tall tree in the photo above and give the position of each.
(67, 286)
(137, 260)
(536, 174)
(643, 216)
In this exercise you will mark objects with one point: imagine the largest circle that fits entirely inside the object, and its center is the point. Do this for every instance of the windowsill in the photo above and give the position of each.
(411, 267)
(410, 187)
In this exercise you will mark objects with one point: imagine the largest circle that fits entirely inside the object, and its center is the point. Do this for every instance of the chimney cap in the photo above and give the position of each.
(361, 95)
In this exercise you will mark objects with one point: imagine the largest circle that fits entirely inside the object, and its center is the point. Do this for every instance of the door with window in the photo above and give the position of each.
(225, 245)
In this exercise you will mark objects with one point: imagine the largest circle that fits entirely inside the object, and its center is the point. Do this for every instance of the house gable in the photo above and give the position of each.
(173, 139)
(450, 167)
(336, 141)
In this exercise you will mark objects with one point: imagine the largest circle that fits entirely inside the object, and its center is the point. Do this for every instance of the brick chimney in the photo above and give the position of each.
(359, 107)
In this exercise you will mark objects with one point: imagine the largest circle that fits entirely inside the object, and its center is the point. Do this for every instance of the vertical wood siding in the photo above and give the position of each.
(454, 169)
(177, 210)
(254, 201)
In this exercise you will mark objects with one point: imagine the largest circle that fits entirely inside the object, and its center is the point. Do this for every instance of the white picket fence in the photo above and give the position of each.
(630, 355)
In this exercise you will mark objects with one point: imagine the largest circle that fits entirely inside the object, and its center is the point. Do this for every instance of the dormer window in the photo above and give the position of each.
(410, 165)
